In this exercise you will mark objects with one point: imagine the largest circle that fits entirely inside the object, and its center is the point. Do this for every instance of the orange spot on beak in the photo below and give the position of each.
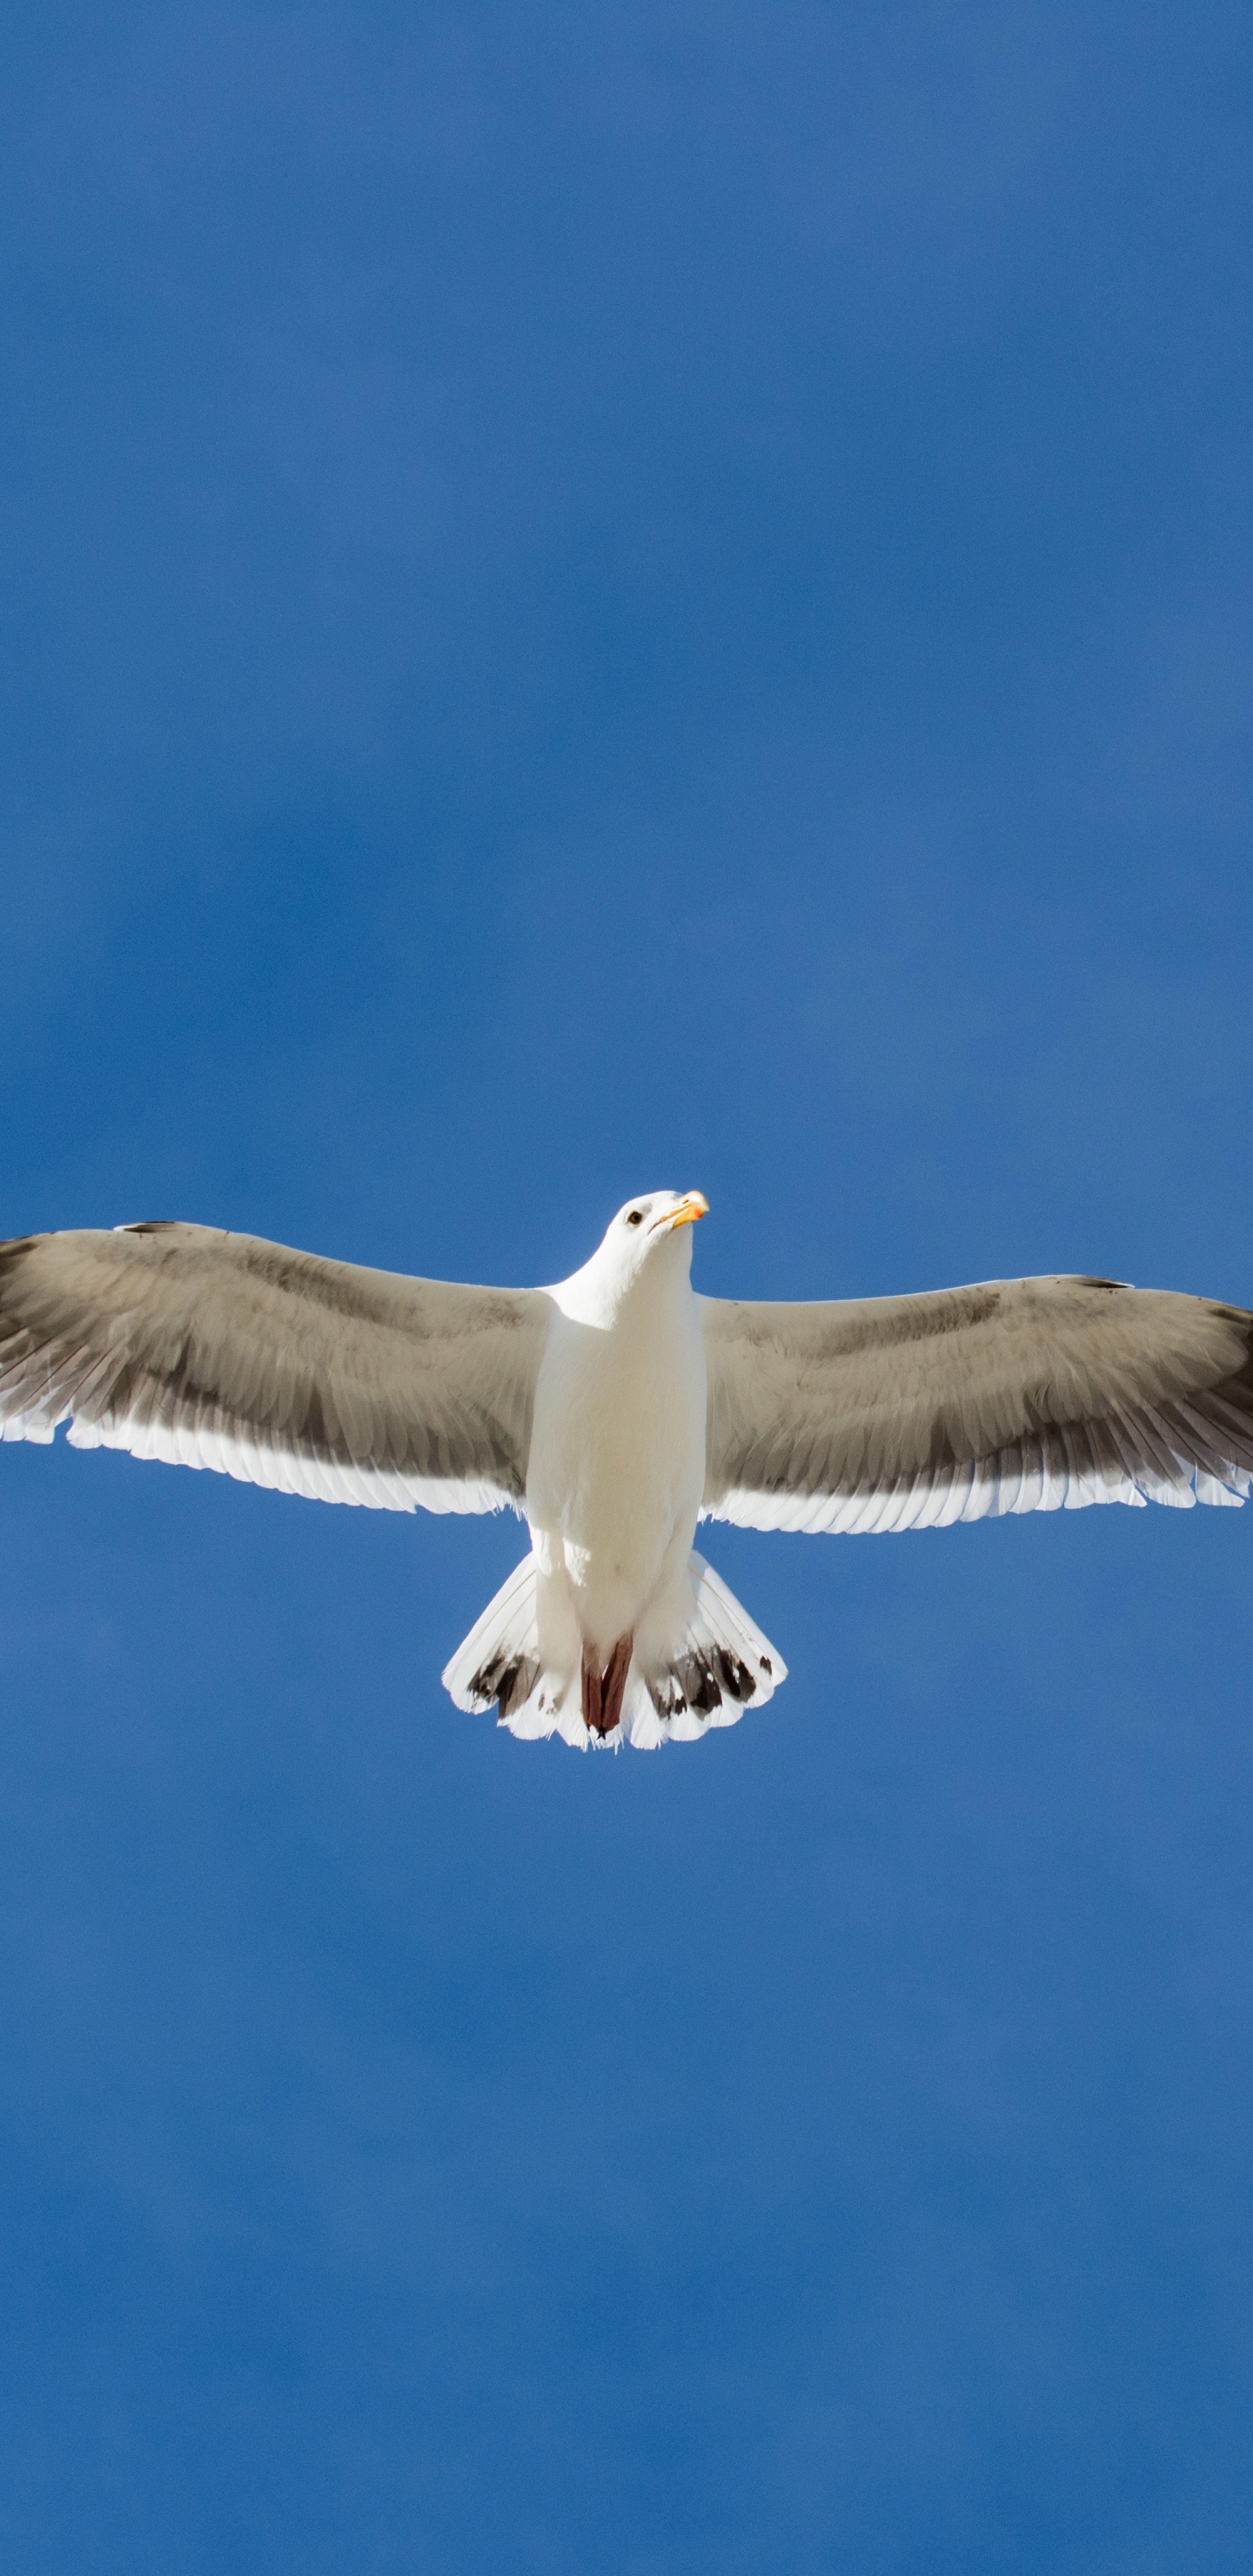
(692, 1205)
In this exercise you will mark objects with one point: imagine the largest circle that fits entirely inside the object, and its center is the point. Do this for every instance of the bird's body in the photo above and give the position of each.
(614, 1411)
(615, 1629)
(617, 1463)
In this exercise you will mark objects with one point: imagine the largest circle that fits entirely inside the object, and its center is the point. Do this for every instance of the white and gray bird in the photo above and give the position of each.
(615, 1411)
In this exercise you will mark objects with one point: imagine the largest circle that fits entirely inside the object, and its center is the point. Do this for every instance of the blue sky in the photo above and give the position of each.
(598, 598)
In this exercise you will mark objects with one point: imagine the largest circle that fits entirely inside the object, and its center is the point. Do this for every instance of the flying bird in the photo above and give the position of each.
(615, 1411)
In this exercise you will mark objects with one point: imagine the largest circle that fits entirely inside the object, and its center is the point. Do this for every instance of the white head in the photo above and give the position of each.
(649, 1238)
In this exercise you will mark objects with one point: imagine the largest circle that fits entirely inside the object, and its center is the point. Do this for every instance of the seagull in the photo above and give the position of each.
(615, 1411)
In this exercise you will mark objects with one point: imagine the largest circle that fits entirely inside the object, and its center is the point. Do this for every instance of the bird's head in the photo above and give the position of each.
(651, 1230)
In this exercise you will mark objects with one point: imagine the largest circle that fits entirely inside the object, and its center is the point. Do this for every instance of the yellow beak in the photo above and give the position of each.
(690, 1206)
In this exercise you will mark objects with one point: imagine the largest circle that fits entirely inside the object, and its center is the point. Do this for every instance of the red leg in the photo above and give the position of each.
(591, 1691)
(614, 1684)
(602, 1692)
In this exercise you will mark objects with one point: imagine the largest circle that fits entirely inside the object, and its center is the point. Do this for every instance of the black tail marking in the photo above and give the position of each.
(507, 1679)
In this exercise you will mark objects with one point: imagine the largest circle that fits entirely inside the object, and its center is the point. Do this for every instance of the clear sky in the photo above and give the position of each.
(598, 598)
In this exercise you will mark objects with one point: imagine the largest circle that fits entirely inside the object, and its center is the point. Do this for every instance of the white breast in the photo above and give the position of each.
(617, 1463)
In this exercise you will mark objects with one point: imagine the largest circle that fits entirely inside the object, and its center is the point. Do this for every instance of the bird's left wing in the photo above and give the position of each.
(894, 1413)
(219, 1350)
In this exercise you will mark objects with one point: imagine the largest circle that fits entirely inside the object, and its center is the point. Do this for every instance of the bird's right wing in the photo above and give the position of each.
(220, 1350)
(1020, 1395)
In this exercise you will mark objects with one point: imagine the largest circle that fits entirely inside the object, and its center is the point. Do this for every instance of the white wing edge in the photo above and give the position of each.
(986, 1489)
(260, 1462)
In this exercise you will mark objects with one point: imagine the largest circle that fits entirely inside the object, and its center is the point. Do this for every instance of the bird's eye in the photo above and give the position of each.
(636, 1217)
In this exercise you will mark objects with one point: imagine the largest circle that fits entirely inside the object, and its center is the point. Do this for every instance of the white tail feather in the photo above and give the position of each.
(507, 1629)
(524, 1655)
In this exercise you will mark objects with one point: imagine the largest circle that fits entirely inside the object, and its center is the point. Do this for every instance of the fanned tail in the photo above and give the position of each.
(699, 1664)
(717, 1665)
(499, 1662)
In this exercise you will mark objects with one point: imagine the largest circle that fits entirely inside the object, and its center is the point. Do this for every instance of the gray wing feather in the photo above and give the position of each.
(316, 1377)
(1019, 1395)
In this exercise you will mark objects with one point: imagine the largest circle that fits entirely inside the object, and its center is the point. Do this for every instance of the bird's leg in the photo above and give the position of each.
(614, 1684)
(602, 1692)
(591, 1690)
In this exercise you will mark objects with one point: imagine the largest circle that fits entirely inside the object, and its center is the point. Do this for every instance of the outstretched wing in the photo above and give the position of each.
(1021, 1395)
(219, 1350)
